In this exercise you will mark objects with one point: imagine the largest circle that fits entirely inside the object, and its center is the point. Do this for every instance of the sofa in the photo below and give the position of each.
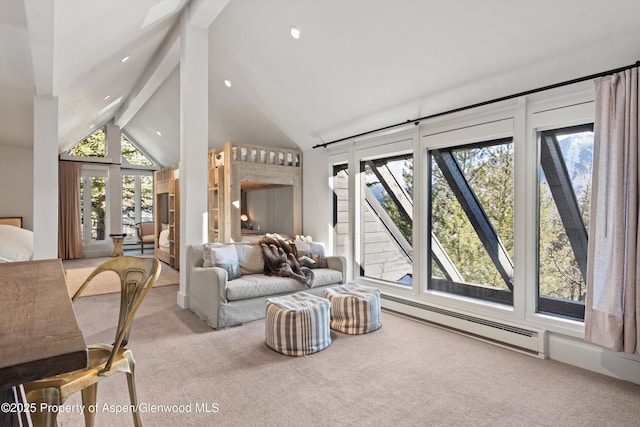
(224, 293)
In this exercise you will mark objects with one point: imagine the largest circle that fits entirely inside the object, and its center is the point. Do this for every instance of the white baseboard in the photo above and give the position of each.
(578, 353)
(183, 300)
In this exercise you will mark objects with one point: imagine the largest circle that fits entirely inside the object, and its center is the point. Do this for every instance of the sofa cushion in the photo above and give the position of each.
(325, 276)
(260, 285)
(225, 257)
(250, 258)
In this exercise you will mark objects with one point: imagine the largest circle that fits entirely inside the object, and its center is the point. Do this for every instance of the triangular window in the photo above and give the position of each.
(132, 154)
(92, 146)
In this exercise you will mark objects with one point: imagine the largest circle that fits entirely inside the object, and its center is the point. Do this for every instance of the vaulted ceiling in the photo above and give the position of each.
(358, 64)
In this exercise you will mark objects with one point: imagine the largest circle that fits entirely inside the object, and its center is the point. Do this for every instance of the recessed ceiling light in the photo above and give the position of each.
(125, 59)
(159, 133)
(107, 97)
(295, 33)
(227, 83)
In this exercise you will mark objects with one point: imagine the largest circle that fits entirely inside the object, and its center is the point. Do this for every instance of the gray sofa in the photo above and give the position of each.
(222, 303)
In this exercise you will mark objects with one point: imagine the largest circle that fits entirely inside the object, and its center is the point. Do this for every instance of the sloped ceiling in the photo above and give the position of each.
(358, 65)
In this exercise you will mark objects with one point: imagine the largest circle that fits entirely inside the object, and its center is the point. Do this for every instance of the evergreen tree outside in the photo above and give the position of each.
(133, 154)
(92, 146)
(558, 273)
(489, 171)
(95, 146)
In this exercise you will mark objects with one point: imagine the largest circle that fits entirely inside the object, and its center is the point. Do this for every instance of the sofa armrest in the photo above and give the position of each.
(338, 263)
(212, 280)
(207, 292)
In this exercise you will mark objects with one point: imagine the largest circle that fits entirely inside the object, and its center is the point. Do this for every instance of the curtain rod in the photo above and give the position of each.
(483, 103)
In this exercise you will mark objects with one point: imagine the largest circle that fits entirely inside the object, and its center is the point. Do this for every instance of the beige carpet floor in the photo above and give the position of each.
(77, 270)
(405, 374)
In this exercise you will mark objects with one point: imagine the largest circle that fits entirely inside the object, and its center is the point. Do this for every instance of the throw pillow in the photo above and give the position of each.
(206, 254)
(250, 257)
(314, 252)
(226, 257)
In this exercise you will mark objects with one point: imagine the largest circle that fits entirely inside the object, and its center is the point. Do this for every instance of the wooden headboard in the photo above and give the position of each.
(16, 221)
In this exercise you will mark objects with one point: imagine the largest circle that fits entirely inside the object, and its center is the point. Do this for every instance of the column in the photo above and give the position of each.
(194, 134)
(45, 177)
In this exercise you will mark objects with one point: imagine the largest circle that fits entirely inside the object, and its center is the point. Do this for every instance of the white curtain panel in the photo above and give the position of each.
(612, 312)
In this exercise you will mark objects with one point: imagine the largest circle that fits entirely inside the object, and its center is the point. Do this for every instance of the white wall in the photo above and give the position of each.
(317, 198)
(16, 190)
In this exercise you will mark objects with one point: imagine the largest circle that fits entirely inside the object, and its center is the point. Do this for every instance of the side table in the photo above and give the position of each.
(117, 244)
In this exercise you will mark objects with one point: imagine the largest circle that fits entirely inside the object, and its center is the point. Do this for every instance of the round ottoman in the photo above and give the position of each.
(297, 324)
(355, 309)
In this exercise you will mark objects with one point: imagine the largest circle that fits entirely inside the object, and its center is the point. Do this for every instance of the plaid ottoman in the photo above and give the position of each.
(297, 324)
(355, 309)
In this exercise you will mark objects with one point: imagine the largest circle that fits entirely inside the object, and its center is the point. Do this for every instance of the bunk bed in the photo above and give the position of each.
(167, 216)
(240, 168)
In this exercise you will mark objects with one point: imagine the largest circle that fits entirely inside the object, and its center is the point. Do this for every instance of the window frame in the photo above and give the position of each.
(395, 143)
(544, 304)
(88, 172)
(467, 289)
(137, 174)
(520, 119)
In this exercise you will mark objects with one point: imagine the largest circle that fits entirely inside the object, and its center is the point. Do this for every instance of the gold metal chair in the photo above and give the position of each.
(137, 276)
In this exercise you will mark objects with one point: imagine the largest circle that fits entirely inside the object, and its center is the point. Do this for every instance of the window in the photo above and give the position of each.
(387, 218)
(92, 146)
(566, 160)
(137, 200)
(471, 226)
(93, 207)
(132, 154)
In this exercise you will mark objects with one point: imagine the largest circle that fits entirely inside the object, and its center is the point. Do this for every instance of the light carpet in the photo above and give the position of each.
(407, 373)
(76, 272)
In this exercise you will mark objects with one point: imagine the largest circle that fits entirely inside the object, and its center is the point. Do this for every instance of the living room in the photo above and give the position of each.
(364, 87)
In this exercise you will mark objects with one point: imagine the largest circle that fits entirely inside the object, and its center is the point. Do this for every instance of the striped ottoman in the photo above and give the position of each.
(355, 309)
(298, 324)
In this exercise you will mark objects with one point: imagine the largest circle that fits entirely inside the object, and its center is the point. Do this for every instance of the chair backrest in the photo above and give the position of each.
(145, 229)
(137, 276)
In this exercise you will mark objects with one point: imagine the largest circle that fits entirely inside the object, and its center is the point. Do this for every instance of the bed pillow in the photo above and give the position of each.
(163, 240)
(16, 244)
(225, 257)
(311, 254)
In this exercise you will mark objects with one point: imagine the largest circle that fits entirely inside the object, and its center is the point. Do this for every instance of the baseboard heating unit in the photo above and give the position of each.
(529, 341)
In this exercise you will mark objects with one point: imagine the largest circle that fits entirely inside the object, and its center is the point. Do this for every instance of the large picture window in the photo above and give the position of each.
(471, 221)
(451, 235)
(387, 219)
(566, 160)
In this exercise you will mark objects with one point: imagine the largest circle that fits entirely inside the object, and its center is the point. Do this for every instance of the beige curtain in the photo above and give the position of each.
(612, 312)
(69, 221)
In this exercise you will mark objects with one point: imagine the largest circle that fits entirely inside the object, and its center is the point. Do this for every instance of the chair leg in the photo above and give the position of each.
(133, 396)
(50, 397)
(89, 397)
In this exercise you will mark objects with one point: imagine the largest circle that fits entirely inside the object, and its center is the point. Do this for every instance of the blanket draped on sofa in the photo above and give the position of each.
(281, 259)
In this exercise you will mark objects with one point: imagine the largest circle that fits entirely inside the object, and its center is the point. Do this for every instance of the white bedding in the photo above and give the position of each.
(16, 244)
(163, 240)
